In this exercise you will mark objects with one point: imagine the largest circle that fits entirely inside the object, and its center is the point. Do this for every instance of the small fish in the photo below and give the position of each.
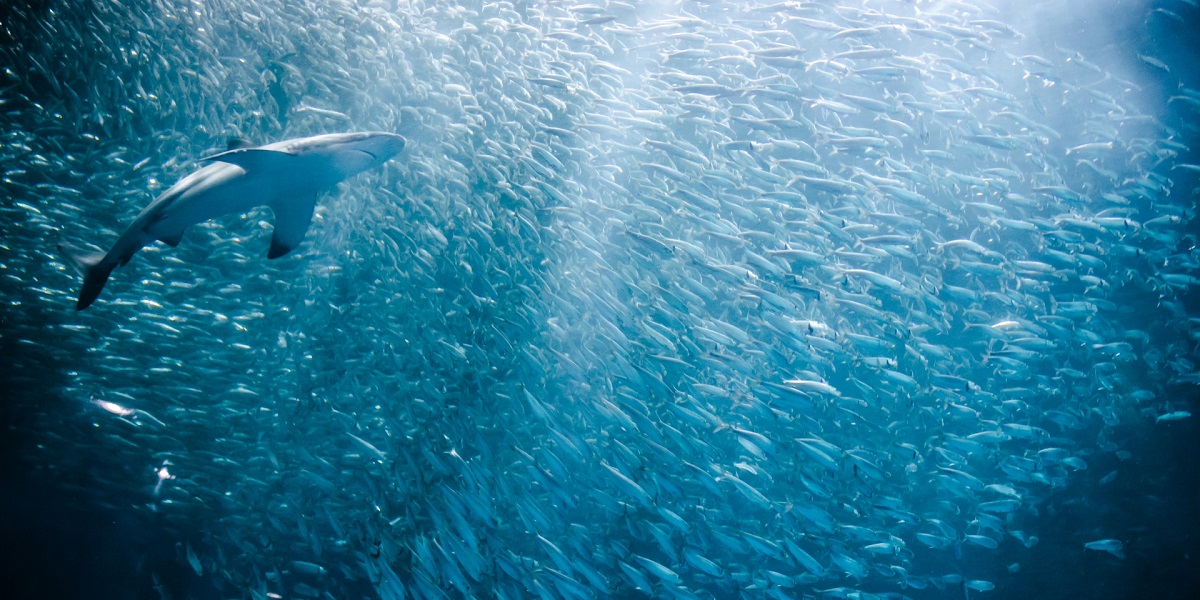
(1111, 546)
(1177, 415)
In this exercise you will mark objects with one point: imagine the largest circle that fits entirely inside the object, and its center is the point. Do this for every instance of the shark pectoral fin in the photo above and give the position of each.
(172, 239)
(255, 159)
(291, 222)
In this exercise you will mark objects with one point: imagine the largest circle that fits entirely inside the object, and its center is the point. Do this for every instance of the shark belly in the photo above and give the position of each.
(228, 191)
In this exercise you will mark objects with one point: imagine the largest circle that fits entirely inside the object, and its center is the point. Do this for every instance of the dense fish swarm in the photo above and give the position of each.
(680, 299)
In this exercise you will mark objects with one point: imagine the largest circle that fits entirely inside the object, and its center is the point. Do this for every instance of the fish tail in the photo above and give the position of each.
(95, 271)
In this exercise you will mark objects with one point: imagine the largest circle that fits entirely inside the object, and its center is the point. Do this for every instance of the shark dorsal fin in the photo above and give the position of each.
(237, 143)
(254, 159)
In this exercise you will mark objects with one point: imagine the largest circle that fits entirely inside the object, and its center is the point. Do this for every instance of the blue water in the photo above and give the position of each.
(664, 299)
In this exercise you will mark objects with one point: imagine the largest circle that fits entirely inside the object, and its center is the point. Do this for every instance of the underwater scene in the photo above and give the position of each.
(682, 299)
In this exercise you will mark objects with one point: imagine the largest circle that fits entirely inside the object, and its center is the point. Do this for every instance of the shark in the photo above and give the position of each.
(286, 176)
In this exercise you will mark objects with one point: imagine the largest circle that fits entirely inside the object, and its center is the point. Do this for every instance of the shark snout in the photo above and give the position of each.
(382, 146)
(353, 153)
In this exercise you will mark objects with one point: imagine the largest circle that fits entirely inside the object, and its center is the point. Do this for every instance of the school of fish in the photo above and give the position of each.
(661, 299)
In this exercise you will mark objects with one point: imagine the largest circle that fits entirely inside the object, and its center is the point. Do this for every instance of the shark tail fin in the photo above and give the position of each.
(95, 271)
